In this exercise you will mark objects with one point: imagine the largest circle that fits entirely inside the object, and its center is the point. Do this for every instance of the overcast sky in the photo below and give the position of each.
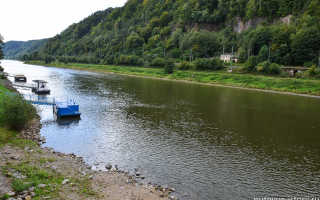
(37, 19)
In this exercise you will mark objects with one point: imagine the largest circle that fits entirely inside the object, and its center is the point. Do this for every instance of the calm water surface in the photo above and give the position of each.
(207, 142)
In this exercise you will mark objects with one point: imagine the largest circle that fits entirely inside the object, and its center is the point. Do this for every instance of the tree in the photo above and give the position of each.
(1, 45)
(134, 41)
(202, 43)
(263, 53)
(306, 45)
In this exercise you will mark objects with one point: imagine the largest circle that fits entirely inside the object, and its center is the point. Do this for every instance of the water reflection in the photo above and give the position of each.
(207, 142)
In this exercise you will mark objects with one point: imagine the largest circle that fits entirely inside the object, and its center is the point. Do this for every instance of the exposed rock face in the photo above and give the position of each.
(286, 20)
(241, 26)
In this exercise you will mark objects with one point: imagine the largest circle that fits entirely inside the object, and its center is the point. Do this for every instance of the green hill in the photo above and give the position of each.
(143, 30)
(16, 49)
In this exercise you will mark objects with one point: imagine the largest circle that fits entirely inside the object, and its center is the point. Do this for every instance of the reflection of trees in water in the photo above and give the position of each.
(233, 120)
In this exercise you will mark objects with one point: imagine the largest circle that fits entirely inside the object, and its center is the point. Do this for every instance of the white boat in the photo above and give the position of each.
(41, 87)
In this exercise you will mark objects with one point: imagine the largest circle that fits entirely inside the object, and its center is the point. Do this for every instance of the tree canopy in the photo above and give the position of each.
(289, 29)
(1, 46)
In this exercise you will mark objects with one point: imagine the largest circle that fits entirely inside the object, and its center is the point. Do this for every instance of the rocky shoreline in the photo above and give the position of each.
(77, 180)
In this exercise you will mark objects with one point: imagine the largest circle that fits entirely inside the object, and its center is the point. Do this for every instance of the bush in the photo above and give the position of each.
(1, 69)
(129, 60)
(168, 67)
(208, 64)
(49, 59)
(308, 64)
(16, 112)
(268, 68)
(250, 65)
(314, 72)
(110, 60)
(274, 69)
(158, 62)
(185, 65)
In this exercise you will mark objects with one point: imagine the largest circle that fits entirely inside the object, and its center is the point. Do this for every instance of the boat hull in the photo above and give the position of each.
(41, 91)
(22, 80)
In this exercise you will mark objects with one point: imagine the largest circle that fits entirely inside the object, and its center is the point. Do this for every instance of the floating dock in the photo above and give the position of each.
(61, 109)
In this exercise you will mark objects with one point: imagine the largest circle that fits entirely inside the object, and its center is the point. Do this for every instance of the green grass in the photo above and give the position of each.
(33, 178)
(3, 90)
(294, 85)
(11, 137)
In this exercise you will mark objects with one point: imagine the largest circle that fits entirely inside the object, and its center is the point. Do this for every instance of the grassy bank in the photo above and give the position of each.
(15, 112)
(292, 85)
(28, 171)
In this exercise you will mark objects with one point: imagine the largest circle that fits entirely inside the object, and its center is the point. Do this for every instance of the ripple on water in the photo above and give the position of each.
(207, 142)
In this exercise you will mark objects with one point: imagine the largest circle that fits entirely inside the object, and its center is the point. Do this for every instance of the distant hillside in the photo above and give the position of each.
(143, 30)
(16, 49)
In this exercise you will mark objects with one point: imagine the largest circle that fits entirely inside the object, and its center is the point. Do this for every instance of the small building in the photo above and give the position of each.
(228, 58)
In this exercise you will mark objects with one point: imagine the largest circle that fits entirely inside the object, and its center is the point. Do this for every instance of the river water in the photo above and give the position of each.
(206, 142)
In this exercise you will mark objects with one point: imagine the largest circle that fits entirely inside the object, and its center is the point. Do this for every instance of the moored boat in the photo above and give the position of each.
(41, 87)
(20, 78)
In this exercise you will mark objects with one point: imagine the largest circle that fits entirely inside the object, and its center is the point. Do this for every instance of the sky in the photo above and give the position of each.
(24, 20)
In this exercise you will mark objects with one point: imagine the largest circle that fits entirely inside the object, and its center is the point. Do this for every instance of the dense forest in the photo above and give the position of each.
(147, 32)
(1, 46)
(16, 49)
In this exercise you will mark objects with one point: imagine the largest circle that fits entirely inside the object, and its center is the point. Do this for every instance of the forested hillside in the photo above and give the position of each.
(144, 30)
(16, 49)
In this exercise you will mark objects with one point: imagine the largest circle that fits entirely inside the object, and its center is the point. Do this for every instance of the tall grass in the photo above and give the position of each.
(15, 112)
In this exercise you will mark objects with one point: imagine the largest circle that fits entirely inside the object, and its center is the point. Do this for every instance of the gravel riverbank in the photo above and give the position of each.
(29, 171)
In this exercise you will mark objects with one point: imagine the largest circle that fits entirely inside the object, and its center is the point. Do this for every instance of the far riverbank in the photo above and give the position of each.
(290, 86)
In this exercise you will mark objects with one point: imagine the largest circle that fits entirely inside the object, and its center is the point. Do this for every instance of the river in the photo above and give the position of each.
(207, 142)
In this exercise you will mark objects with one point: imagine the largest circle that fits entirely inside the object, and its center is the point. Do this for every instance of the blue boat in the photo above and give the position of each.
(67, 109)
(63, 110)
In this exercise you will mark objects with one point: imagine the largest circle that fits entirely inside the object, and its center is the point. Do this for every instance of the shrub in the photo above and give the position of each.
(274, 69)
(168, 67)
(185, 65)
(250, 65)
(314, 72)
(16, 112)
(48, 59)
(1, 69)
(158, 62)
(208, 64)
(175, 53)
(129, 60)
(110, 60)
(268, 68)
(308, 64)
